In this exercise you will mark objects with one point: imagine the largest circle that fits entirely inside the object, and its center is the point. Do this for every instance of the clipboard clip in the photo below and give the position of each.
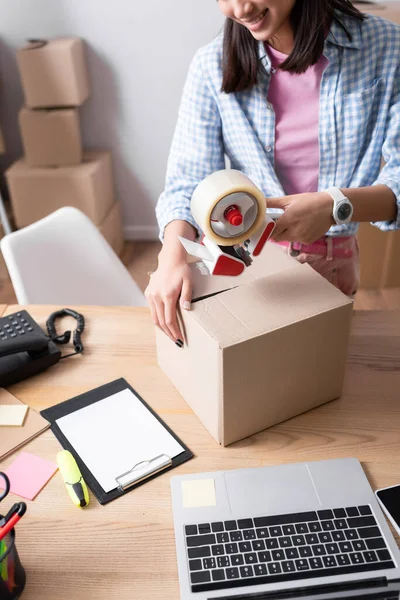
(143, 470)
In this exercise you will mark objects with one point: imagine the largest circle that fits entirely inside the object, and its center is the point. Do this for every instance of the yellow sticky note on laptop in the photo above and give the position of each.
(198, 493)
(12, 415)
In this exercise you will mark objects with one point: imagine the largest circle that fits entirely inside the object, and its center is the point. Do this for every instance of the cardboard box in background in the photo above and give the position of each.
(387, 10)
(35, 193)
(51, 138)
(379, 257)
(111, 229)
(373, 245)
(379, 250)
(264, 347)
(2, 145)
(3, 266)
(54, 73)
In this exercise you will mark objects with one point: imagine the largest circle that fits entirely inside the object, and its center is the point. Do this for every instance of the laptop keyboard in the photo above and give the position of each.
(284, 548)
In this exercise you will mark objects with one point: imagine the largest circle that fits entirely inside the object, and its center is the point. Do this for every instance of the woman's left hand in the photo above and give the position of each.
(307, 217)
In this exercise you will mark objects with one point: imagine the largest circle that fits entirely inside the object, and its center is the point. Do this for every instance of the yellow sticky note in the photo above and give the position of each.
(198, 493)
(13, 414)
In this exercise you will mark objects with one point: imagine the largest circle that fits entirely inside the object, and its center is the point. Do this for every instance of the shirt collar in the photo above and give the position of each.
(336, 36)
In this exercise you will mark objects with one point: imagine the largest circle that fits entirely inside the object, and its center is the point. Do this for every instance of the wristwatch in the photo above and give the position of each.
(342, 207)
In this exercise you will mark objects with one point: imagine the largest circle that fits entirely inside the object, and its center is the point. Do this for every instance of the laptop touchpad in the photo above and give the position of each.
(282, 489)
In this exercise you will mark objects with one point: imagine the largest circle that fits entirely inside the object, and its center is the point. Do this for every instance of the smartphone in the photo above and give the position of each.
(389, 500)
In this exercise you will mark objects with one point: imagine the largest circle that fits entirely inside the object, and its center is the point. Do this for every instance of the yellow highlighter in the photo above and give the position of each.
(74, 482)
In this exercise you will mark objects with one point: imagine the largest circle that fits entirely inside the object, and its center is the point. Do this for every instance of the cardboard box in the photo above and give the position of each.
(259, 348)
(3, 267)
(8, 212)
(51, 138)
(35, 193)
(112, 230)
(387, 10)
(391, 271)
(374, 245)
(2, 145)
(54, 73)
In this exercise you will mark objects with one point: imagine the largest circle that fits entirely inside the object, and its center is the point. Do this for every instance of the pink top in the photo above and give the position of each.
(295, 99)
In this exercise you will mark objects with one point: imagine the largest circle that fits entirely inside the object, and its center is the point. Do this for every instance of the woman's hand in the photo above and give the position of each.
(172, 282)
(307, 217)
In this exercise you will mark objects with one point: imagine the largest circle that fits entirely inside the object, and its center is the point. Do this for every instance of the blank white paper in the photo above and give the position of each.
(115, 434)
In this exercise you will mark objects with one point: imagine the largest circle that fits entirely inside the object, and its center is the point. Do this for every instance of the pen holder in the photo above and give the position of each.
(12, 573)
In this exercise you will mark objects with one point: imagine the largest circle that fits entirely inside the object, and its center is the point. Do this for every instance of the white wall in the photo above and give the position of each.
(138, 52)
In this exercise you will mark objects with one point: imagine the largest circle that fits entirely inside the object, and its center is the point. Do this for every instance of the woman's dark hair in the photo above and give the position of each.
(310, 20)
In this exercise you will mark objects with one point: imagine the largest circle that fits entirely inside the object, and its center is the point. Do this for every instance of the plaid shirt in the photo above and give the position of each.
(359, 122)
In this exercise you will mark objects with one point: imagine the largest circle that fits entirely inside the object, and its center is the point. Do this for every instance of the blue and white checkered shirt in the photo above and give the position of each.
(359, 122)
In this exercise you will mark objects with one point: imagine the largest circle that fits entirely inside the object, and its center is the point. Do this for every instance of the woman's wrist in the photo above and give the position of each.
(172, 250)
(172, 254)
(375, 203)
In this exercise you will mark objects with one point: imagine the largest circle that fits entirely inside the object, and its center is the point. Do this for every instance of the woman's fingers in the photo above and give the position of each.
(160, 308)
(162, 295)
(186, 294)
(153, 311)
(171, 320)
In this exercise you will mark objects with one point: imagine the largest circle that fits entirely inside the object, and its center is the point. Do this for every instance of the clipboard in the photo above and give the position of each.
(140, 472)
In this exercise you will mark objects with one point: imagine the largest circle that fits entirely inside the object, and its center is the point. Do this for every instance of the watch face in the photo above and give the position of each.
(344, 211)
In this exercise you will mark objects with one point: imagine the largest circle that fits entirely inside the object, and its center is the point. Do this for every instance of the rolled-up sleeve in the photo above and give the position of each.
(390, 174)
(196, 151)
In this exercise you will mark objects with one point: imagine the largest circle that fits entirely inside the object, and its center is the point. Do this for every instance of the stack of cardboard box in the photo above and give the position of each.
(3, 267)
(55, 170)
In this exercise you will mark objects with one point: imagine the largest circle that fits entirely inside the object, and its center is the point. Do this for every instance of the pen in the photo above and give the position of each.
(74, 482)
(12, 518)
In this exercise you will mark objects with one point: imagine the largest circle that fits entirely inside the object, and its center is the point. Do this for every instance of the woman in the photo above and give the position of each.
(303, 96)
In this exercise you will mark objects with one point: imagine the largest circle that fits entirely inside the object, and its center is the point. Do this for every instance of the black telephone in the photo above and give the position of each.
(26, 350)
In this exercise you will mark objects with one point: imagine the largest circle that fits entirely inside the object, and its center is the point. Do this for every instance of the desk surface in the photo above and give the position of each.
(113, 552)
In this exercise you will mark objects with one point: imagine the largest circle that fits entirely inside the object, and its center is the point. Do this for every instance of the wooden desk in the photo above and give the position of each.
(126, 549)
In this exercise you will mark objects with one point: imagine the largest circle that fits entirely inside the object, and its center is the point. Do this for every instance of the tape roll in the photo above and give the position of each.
(222, 191)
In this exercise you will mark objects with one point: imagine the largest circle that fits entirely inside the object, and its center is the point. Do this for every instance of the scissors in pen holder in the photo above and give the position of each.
(15, 513)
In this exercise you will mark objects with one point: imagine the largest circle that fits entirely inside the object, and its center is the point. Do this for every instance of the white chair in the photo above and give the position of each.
(63, 259)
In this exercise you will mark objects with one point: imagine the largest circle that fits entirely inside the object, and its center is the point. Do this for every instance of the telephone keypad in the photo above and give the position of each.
(19, 333)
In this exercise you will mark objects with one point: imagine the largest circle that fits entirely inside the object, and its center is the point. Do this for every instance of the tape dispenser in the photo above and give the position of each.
(231, 212)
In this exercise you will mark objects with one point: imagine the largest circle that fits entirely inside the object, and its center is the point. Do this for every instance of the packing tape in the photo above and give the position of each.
(221, 191)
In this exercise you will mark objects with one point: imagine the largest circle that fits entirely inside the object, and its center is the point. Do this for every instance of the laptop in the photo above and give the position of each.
(308, 530)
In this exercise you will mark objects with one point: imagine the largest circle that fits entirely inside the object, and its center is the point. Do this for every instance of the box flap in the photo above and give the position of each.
(276, 300)
(272, 260)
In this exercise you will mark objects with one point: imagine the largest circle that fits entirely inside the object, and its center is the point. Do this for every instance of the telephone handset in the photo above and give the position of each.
(26, 350)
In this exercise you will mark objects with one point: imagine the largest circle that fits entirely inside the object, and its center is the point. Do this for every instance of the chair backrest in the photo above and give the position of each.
(64, 259)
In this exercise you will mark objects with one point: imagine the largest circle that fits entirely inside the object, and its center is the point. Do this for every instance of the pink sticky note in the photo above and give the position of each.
(28, 474)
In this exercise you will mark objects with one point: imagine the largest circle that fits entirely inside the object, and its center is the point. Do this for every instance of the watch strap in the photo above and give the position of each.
(338, 199)
(336, 194)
